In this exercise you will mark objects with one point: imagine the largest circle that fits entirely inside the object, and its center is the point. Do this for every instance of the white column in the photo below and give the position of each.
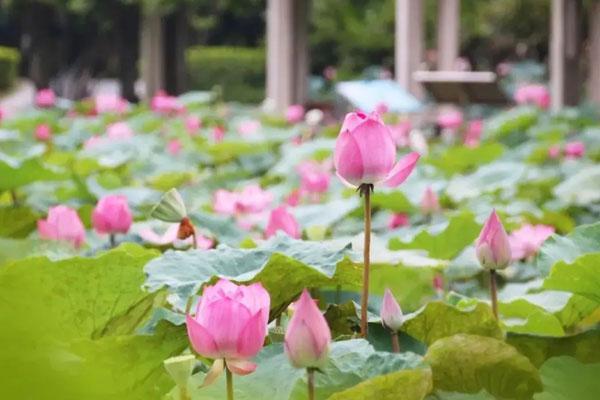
(287, 52)
(594, 54)
(448, 31)
(408, 43)
(152, 57)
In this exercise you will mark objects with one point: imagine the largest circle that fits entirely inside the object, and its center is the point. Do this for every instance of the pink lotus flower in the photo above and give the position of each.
(293, 199)
(45, 98)
(253, 199)
(313, 178)
(230, 324)
(62, 223)
(119, 131)
(193, 124)
(473, 135)
(537, 95)
(554, 152)
(493, 248)
(391, 314)
(174, 147)
(162, 103)
(170, 237)
(112, 215)
(248, 127)
(574, 150)
(307, 336)
(225, 202)
(438, 284)
(401, 133)
(398, 220)
(451, 120)
(218, 134)
(93, 142)
(281, 220)
(365, 153)
(527, 240)
(294, 113)
(430, 204)
(43, 132)
(110, 103)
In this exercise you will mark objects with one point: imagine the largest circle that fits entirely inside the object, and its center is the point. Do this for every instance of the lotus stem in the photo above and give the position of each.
(494, 292)
(395, 342)
(366, 190)
(229, 384)
(112, 240)
(310, 372)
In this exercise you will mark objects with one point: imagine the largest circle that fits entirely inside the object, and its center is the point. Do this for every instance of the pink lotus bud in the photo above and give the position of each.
(313, 178)
(308, 336)
(430, 203)
(45, 98)
(473, 135)
(110, 103)
(281, 220)
(537, 95)
(438, 284)
(293, 199)
(365, 153)
(398, 221)
(451, 120)
(174, 147)
(248, 127)
(112, 215)
(574, 149)
(401, 133)
(493, 248)
(43, 132)
(554, 152)
(218, 134)
(253, 199)
(294, 113)
(119, 131)
(381, 108)
(527, 240)
(164, 104)
(225, 202)
(193, 123)
(391, 314)
(230, 323)
(62, 223)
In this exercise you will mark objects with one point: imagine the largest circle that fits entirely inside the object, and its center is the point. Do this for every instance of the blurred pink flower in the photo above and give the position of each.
(253, 199)
(218, 134)
(62, 223)
(225, 202)
(381, 108)
(533, 94)
(450, 120)
(473, 134)
(293, 199)
(281, 220)
(503, 69)
(330, 73)
(231, 324)
(391, 313)
(93, 141)
(112, 215)
(193, 123)
(554, 151)
(307, 336)
(430, 204)
(527, 240)
(398, 220)
(574, 149)
(45, 98)
(43, 132)
(174, 147)
(164, 104)
(294, 113)
(110, 103)
(248, 127)
(401, 133)
(170, 237)
(314, 179)
(119, 131)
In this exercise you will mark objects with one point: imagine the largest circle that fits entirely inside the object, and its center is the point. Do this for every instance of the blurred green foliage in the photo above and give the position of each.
(9, 62)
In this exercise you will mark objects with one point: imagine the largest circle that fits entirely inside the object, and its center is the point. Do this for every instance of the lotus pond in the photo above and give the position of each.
(100, 259)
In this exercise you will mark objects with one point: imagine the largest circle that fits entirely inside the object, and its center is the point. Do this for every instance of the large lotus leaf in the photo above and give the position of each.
(350, 362)
(442, 395)
(471, 363)
(407, 385)
(393, 200)
(444, 241)
(522, 316)
(223, 228)
(489, 178)
(226, 151)
(17, 222)
(439, 320)
(300, 263)
(581, 277)
(15, 173)
(583, 346)
(565, 378)
(583, 239)
(459, 159)
(517, 119)
(324, 215)
(412, 286)
(582, 188)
